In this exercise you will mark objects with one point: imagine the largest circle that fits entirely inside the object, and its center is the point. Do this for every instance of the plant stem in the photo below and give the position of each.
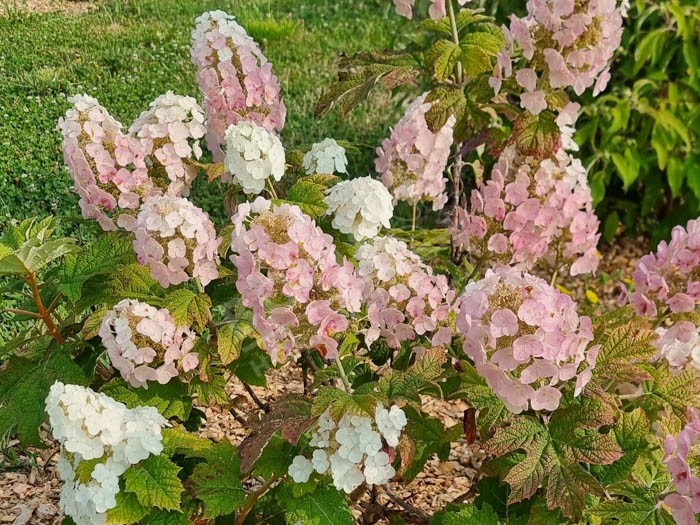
(252, 500)
(455, 38)
(19, 311)
(413, 219)
(271, 189)
(343, 376)
(262, 406)
(45, 316)
(415, 511)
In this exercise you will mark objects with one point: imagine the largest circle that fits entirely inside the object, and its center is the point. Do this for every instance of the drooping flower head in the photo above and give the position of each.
(403, 296)
(525, 338)
(177, 241)
(289, 277)
(325, 157)
(253, 155)
(531, 212)
(170, 132)
(360, 207)
(107, 167)
(563, 44)
(682, 457)
(234, 77)
(91, 426)
(413, 159)
(145, 344)
(353, 450)
(669, 279)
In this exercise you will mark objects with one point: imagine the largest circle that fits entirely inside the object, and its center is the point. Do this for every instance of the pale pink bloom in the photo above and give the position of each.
(530, 350)
(680, 452)
(413, 159)
(168, 347)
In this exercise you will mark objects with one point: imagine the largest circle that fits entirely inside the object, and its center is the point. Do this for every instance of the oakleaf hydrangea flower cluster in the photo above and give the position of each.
(289, 277)
(91, 426)
(413, 159)
(108, 167)
(436, 10)
(403, 296)
(353, 450)
(253, 155)
(325, 157)
(234, 77)
(360, 207)
(170, 132)
(145, 344)
(525, 338)
(682, 456)
(564, 43)
(670, 278)
(177, 241)
(531, 211)
(680, 345)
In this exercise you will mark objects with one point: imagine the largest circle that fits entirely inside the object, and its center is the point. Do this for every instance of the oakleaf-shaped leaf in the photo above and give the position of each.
(474, 388)
(291, 416)
(155, 483)
(230, 339)
(478, 50)
(170, 399)
(24, 385)
(536, 135)
(323, 506)
(640, 506)
(677, 391)
(446, 102)
(442, 57)
(179, 441)
(410, 383)
(429, 437)
(630, 433)
(188, 308)
(466, 515)
(309, 196)
(623, 350)
(99, 257)
(217, 482)
(128, 510)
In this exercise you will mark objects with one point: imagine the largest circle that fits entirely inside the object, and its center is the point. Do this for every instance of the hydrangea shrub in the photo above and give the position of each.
(586, 412)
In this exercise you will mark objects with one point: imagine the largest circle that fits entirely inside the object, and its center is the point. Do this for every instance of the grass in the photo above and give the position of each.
(130, 51)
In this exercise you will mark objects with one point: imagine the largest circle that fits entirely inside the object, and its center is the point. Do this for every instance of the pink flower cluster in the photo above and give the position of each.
(289, 277)
(107, 167)
(145, 344)
(177, 241)
(526, 338)
(532, 211)
(403, 296)
(680, 452)
(170, 132)
(235, 78)
(413, 159)
(670, 278)
(680, 345)
(564, 43)
(437, 9)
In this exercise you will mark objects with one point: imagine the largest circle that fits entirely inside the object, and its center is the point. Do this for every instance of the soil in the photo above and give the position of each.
(13, 7)
(29, 495)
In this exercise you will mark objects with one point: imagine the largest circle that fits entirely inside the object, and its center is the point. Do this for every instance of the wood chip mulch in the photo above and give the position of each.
(29, 494)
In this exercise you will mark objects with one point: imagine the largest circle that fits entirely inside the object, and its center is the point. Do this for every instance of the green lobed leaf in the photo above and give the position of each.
(640, 506)
(536, 135)
(128, 510)
(442, 57)
(251, 364)
(630, 433)
(491, 409)
(178, 441)
(155, 483)
(24, 385)
(230, 338)
(466, 515)
(217, 483)
(677, 391)
(429, 437)
(99, 257)
(170, 399)
(446, 102)
(309, 195)
(323, 506)
(408, 384)
(623, 349)
(166, 517)
(34, 255)
(478, 50)
(188, 308)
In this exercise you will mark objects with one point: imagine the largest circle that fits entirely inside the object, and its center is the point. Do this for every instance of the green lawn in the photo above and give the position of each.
(129, 52)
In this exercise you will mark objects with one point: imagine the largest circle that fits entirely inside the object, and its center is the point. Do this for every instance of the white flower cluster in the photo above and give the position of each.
(170, 130)
(90, 426)
(326, 157)
(253, 154)
(355, 452)
(360, 206)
